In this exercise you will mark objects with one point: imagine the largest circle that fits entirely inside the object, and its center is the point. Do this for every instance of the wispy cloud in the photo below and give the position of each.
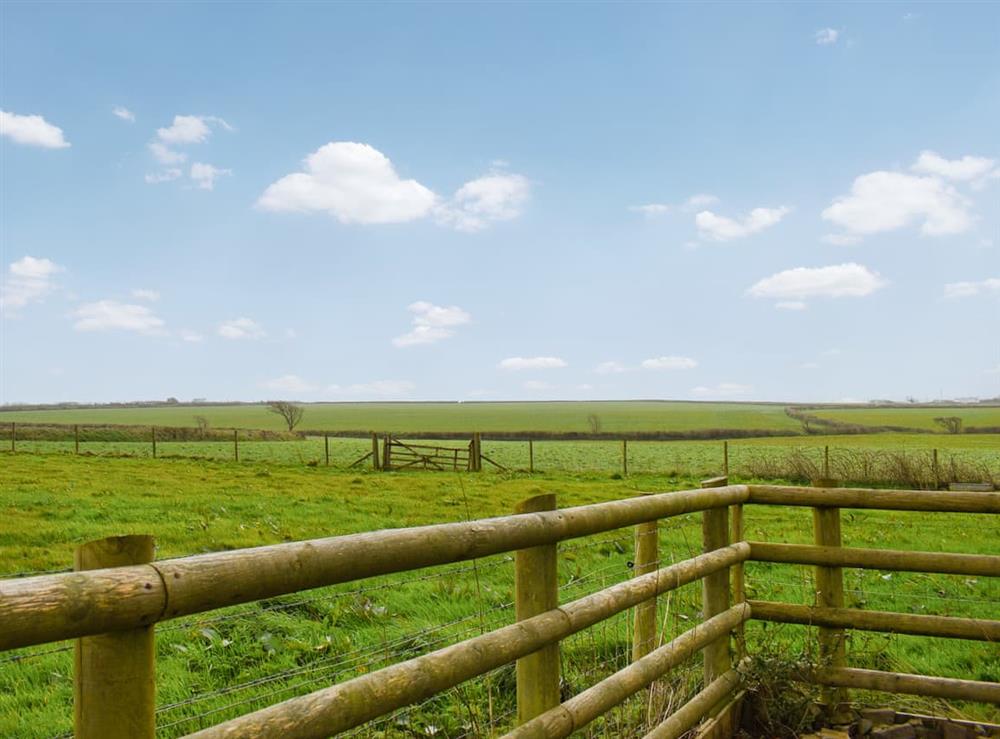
(432, 323)
(721, 391)
(31, 130)
(204, 175)
(376, 389)
(700, 200)
(531, 363)
(969, 289)
(290, 384)
(124, 113)
(241, 329)
(826, 36)
(669, 363)
(28, 280)
(610, 368)
(111, 315)
(720, 228)
(143, 294)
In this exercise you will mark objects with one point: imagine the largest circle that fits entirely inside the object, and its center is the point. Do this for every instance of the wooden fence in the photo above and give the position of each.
(113, 601)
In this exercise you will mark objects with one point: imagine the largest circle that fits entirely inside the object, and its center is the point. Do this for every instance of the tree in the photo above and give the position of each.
(951, 424)
(289, 411)
(595, 423)
(202, 425)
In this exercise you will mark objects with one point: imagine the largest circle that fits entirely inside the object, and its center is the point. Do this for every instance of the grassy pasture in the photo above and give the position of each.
(916, 418)
(218, 665)
(549, 417)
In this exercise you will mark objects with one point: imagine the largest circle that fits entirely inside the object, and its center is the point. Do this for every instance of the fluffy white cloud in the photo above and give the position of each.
(164, 154)
(720, 228)
(964, 169)
(241, 328)
(610, 368)
(886, 201)
(700, 200)
(190, 129)
(827, 36)
(124, 113)
(968, 289)
(376, 389)
(28, 280)
(669, 363)
(31, 130)
(432, 323)
(721, 391)
(531, 363)
(166, 175)
(355, 183)
(203, 175)
(291, 384)
(110, 315)
(848, 280)
(142, 294)
(476, 204)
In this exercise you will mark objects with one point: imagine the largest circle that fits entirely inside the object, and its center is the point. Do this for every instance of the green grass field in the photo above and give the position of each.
(915, 418)
(219, 665)
(552, 417)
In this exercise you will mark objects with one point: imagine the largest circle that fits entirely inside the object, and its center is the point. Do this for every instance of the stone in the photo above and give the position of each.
(879, 715)
(898, 731)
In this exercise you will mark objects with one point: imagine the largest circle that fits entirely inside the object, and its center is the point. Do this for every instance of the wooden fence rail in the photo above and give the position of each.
(116, 609)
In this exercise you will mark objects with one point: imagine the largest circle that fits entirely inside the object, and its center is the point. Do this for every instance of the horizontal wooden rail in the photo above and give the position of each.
(36, 610)
(898, 682)
(685, 717)
(975, 565)
(598, 699)
(884, 621)
(941, 501)
(364, 698)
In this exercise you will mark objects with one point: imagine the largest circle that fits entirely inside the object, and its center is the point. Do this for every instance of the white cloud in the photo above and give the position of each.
(886, 201)
(790, 305)
(353, 182)
(291, 384)
(190, 129)
(376, 389)
(848, 280)
(669, 363)
(204, 175)
(166, 175)
(476, 204)
(28, 280)
(164, 154)
(356, 183)
(124, 113)
(111, 315)
(969, 289)
(694, 202)
(827, 36)
(964, 169)
(192, 337)
(720, 228)
(241, 328)
(722, 390)
(432, 323)
(531, 363)
(610, 368)
(31, 130)
(142, 294)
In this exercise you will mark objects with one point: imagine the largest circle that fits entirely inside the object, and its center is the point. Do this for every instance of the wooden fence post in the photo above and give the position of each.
(376, 461)
(531, 456)
(647, 559)
(387, 453)
(830, 594)
(13, 436)
(624, 457)
(114, 682)
(826, 462)
(152, 433)
(536, 590)
(715, 587)
(739, 584)
(937, 470)
(326, 448)
(725, 458)
(236, 445)
(76, 438)
(477, 452)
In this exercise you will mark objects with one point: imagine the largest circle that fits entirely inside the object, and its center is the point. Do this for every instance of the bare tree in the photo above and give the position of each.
(289, 411)
(594, 421)
(951, 424)
(202, 423)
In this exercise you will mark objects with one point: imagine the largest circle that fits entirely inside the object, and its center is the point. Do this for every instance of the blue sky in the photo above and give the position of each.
(499, 201)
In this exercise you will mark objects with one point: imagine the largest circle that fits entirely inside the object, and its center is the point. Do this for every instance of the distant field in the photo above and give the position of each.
(914, 418)
(550, 417)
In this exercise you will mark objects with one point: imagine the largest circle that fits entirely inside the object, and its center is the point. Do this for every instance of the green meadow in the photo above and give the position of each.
(221, 664)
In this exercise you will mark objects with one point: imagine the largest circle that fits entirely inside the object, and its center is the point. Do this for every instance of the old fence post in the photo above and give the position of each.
(830, 594)
(13, 436)
(739, 584)
(531, 456)
(715, 587)
(624, 457)
(114, 683)
(725, 458)
(387, 453)
(152, 435)
(376, 461)
(236, 445)
(326, 448)
(647, 559)
(536, 590)
(76, 438)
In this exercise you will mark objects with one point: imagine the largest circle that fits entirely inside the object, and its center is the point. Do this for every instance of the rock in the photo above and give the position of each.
(865, 726)
(879, 715)
(954, 731)
(899, 731)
